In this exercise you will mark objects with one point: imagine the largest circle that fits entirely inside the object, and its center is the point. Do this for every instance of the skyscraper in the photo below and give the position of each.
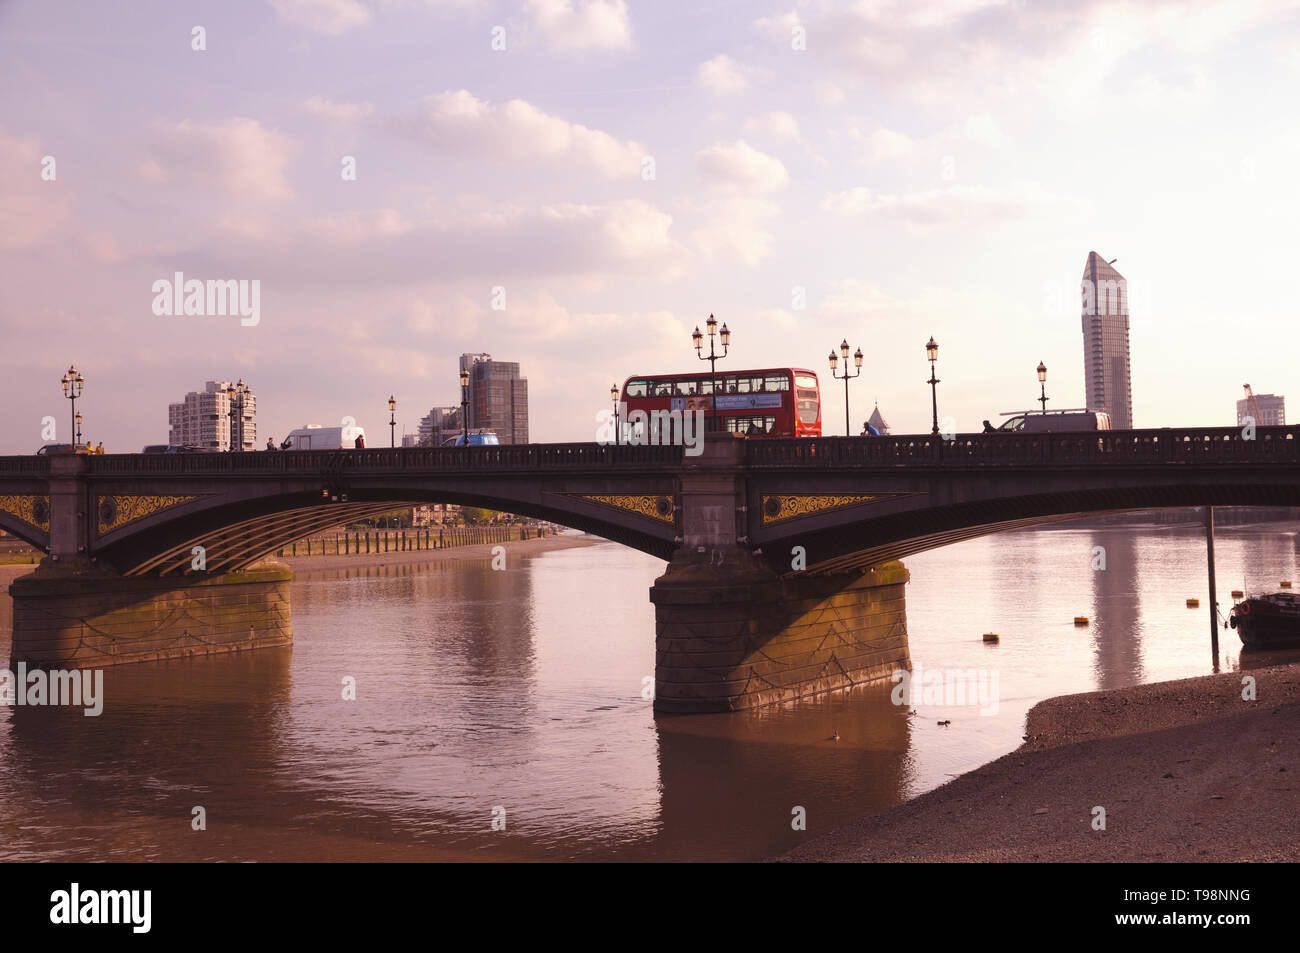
(202, 419)
(1107, 374)
(1269, 410)
(498, 397)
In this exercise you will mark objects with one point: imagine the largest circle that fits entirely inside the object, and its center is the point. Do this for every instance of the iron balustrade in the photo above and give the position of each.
(1216, 446)
(503, 458)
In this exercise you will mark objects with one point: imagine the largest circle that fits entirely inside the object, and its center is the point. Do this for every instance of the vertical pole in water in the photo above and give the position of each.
(1214, 604)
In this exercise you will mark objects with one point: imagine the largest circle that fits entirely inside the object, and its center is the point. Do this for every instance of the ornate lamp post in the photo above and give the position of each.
(613, 396)
(713, 357)
(846, 376)
(932, 353)
(73, 383)
(392, 421)
(1042, 384)
(464, 407)
(235, 397)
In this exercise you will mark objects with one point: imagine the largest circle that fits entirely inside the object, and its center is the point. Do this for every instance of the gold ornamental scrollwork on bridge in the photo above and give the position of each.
(32, 510)
(656, 507)
(115, 511)
(777, 508)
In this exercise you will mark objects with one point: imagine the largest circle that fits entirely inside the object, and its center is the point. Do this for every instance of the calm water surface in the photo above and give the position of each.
(522, 689)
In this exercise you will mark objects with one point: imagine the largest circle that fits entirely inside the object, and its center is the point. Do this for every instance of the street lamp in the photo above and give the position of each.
(846, 376)
(713, 357)
(932, 353)
(73, 382)
(392, 421)
(235, 397)
(1042, 384)
(613, 396)
(464, 406)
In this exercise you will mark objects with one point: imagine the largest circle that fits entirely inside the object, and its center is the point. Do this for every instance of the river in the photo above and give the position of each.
(515, 697)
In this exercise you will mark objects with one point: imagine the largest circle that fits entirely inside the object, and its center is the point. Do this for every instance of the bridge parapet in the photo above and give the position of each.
(1213, 446)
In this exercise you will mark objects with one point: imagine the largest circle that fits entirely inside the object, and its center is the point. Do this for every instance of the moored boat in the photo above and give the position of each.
(1267, 621)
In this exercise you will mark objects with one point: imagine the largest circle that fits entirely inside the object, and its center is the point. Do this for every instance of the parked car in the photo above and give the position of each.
(51, 449)
(156, 448)
(1066, 421)
(477, 438)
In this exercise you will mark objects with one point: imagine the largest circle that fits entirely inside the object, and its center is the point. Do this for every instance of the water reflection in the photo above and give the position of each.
(522, 690)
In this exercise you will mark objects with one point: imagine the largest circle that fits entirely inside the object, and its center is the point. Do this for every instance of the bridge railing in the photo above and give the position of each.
(543, 456)
(1181, 447)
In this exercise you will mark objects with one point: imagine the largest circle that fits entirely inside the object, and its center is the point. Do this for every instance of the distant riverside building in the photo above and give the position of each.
(498, 397)
(1269, 410)
(437, 425)
(1108, 375)
(202, 419)
(877, 421)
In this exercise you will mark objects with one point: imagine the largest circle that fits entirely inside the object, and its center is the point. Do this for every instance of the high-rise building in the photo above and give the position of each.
(498, 397)
(439, 424)
(1269, 410)
(203, 419)
(1107, 373)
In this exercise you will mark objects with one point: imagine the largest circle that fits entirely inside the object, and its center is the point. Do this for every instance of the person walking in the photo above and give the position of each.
(360, 442)
(270, 443)
(99, 450)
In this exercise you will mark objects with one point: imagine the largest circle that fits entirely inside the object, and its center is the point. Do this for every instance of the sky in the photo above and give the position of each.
(576, 184)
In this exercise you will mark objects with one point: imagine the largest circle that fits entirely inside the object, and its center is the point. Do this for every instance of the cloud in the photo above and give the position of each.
(31, 208)
(458, 123)
(776, 124)
(958, 205)
(323, 16)
(722, 76)
(887, 145)
(738, 166)
(338, 112)
(238, 156)
(485, 243)
(582, 24)
(735, 230)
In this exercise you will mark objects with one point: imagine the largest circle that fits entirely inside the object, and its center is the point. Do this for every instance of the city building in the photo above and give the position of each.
(1269, 410)
(437, 425)
(878, 421)
(203, 419)
(498, 397)
(1107, 372)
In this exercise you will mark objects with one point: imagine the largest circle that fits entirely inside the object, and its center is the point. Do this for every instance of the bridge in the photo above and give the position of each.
(783, 574)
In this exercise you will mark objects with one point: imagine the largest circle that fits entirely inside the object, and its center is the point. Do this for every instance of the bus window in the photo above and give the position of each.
(805, 380)
(663, 388)
(687, 388)
(635, 389)
(775, 382)
(808, 411)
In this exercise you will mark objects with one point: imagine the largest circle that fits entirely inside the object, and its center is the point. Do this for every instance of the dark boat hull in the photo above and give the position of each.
(1264, 624)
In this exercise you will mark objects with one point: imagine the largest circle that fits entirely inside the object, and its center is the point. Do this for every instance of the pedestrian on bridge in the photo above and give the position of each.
(270, 443)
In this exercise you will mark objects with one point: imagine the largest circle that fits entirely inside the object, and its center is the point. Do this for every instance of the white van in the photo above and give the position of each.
(316, 437)
(1057, 421)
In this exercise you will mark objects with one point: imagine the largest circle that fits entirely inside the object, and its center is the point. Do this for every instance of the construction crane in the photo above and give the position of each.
(1252, 404)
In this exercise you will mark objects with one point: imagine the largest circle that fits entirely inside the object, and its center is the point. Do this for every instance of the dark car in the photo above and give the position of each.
(156, 448)
(56, 448)
(187, 448)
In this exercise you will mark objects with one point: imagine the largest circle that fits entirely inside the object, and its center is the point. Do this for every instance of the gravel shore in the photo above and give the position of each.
(1185, 770)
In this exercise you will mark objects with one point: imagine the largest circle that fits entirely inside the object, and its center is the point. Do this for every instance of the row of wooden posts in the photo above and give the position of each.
(397, 541)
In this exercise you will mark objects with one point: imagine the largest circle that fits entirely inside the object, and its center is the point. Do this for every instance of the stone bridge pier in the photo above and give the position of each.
(732, 633)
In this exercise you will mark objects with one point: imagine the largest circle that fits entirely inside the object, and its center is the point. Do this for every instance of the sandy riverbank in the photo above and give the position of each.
(516, 547)
(1185, 770)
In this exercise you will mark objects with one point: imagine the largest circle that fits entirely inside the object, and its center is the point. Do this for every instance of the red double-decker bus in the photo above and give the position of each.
(774, 402)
